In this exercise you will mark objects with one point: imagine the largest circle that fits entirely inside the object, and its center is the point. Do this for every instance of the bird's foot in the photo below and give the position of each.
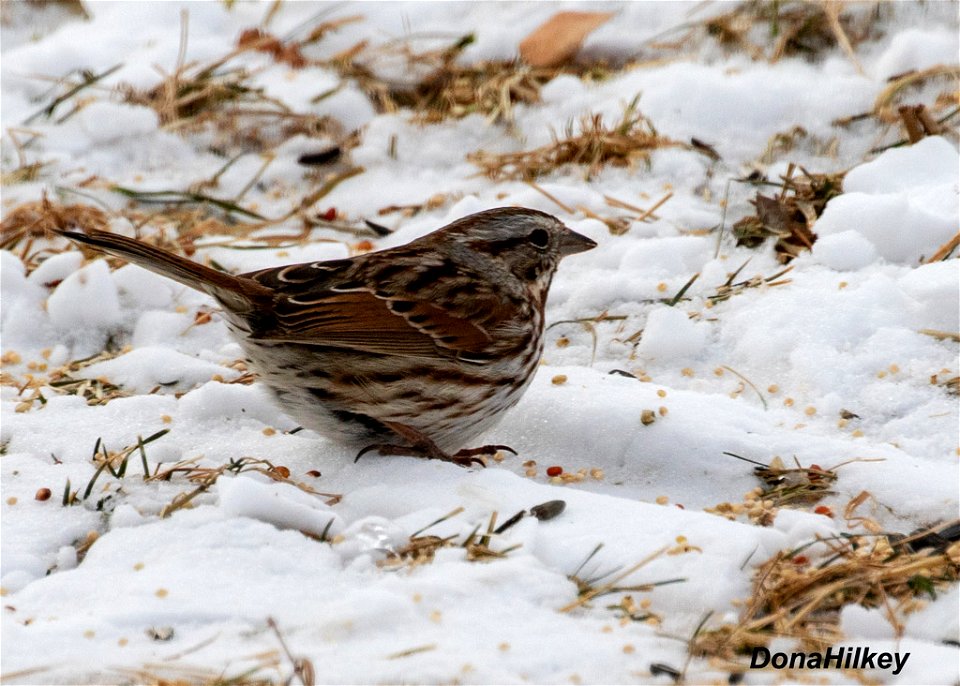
(421, 446)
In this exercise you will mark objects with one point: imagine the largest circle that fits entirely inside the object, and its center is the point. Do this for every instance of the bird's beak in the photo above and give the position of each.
(573, 242)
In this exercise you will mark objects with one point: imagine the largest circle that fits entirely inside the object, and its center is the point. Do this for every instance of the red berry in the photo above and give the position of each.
(330, 214)
(554, 471)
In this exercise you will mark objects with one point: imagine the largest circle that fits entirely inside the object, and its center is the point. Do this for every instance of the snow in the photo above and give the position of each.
(147, 367)
(845, 251)
(916, 48)
(55, 269)
(841, 361)
(85, 300)
(670, 335)
(282, 505)
(904, 203)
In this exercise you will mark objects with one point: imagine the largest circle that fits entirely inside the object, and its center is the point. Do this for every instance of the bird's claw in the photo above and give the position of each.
(421, 446)
(426, 452)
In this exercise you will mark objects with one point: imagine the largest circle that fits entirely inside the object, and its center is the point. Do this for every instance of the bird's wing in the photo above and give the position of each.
(341, 304)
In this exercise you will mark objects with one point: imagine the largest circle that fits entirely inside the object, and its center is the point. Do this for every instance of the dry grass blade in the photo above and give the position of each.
(440, 87)
(32, 220)
(589, 593)
(434, 202)
(242, 117)
(94, 391)
(35, 220)
(774, 30)
(205, 477)
(649, 213)
(832, 9)
(25, 173)
(588, 325)
(64, 380)
(642, 215)
(740, 376)
(794, 598)
(899, 104)
(617, 225)
(941, 335)
(412, 651)
(264, 673)
(302, 667)
(421, 549)
(625, 143)
(731, 288)
(87, 79)
(782, 487)
(886, 102)
(116, 463)
(549, 196)
(951, 385)
(171, 197)
(217, 97)
(14, 677)
(491, 89)
(945, 250)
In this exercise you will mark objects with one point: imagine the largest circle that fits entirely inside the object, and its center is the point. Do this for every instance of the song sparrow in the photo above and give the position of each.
(429, 342)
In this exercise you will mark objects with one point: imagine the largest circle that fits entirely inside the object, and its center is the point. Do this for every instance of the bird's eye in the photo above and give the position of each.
(539, 238)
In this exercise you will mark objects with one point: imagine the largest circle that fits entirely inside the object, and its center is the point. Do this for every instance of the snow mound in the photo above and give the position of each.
(905, 203)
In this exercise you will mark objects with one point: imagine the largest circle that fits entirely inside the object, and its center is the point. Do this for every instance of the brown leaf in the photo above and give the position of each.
(558, 39)
(773, 215)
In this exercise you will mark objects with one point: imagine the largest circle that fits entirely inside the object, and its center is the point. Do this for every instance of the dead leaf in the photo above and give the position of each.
(558, 39)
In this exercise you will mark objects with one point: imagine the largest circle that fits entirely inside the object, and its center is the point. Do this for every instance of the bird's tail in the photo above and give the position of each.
(237, 293)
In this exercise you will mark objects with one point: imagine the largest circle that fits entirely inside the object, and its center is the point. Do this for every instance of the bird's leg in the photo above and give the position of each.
(420, 445)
